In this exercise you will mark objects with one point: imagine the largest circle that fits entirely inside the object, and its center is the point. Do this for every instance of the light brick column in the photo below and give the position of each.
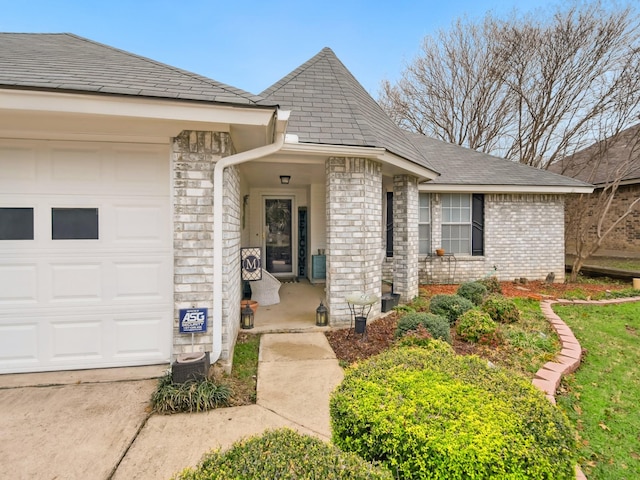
(193, 157)
(354, 233)
(405, 236)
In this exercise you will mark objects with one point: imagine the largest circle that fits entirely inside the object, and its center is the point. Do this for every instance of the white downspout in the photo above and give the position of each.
(282, 117)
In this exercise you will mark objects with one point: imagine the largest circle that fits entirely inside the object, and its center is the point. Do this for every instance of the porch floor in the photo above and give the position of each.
(296, 311)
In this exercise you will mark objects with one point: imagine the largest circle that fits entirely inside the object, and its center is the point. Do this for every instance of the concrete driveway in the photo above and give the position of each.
(67, 425)
(95, 424)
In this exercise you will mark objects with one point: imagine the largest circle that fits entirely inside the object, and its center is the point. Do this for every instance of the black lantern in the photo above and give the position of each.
(322, 319)
(246, 317)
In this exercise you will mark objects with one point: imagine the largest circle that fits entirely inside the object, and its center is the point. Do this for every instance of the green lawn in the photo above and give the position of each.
(631, 264)
(603, 396)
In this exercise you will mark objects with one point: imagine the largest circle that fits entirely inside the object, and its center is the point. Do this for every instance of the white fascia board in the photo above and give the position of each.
(377, 153)
(448, 188)
(134, 107)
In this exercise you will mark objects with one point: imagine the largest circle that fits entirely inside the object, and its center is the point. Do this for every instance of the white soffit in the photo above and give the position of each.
(167, 117)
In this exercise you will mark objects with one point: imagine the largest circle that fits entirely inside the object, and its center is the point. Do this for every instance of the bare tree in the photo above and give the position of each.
(609, 164)
(532, 89)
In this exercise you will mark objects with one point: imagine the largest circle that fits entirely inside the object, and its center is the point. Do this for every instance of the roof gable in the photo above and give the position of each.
(66, 62)
(329, 106)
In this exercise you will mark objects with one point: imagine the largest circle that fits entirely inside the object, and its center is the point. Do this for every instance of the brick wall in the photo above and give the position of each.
(193, 157)
(626, 235)
(354, 233)
(523, 235)
(405, 236)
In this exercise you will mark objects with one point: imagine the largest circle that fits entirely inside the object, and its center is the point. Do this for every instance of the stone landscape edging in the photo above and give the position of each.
(548, 377)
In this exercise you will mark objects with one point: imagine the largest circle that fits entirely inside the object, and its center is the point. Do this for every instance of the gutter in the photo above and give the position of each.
(282, 118)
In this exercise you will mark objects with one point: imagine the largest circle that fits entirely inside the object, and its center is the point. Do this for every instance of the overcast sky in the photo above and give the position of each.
(252, 44)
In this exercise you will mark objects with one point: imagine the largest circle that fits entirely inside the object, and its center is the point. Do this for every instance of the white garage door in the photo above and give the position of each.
(85, 255)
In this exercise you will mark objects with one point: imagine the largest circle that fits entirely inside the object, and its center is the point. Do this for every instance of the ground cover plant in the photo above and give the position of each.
(286, 455)
(602, 397)
(219, 389)
(430, 414)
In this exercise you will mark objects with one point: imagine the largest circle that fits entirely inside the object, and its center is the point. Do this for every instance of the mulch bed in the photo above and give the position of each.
(351, 348)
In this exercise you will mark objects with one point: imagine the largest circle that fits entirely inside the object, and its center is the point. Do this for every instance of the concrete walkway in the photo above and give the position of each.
(102, 430)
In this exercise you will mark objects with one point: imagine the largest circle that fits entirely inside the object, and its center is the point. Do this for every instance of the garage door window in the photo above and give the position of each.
(16, 223)
(74, 223)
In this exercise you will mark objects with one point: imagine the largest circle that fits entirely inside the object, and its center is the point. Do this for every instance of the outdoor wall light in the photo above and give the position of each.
(322, 319)
(285, 179)
(246, 317)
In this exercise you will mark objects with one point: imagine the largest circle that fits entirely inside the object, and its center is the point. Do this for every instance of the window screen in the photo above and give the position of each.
(16, 223)
(74, 223)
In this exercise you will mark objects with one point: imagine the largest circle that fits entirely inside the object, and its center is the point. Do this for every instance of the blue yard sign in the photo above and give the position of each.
(193, 320)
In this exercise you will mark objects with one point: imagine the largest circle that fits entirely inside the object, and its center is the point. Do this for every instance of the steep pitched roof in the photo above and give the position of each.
(329, 106)
(587, 165)
(66, 62)
(462, 166)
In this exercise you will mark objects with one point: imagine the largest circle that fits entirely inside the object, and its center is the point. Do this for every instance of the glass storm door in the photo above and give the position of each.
(278, 235)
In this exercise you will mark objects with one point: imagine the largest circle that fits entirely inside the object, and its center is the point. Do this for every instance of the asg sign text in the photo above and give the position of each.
(193, 320)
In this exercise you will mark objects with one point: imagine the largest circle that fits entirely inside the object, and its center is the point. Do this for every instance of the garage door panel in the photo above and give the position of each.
(77, 283)
(141, 224)
(77, 340)
(17, 164)
(141, 335)
(140, 280)
(76, 166)
(19, 343)
(18, 284)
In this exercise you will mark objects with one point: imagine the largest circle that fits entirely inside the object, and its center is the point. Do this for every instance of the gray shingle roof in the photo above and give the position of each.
(462, 166)
(623, 154)
(329, 106)
(67, 62)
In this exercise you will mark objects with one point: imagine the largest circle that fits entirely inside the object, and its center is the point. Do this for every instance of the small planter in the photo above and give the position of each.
(390, 300)
(361, 324)
(440, 252)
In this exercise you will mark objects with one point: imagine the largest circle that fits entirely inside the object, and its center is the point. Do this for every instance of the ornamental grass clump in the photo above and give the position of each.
(436, 325)
(286, 455)
(501, 309)
(191, 396)
(427, 413)
(473, 291)
(449, 306)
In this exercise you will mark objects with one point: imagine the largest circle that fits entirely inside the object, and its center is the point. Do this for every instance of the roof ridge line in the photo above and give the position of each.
(187, 73)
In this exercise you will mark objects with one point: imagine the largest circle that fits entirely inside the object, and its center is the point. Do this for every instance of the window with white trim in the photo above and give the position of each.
(463, 223)
(424, 224)
(456, 223)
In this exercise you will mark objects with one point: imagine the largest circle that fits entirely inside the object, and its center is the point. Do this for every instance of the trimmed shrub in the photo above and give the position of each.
(436, 325)
(473, 291)
(431, 414)
(190, 396)
(286, 455)
(492, 284)
(501, 309)
(476, 326)
(449, 306)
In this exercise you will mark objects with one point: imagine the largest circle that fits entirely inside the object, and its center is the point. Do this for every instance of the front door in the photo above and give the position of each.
(279, 235)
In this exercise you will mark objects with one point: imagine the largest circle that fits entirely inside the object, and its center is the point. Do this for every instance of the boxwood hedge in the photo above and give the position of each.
(436, 325)
(286, 455)
(473, 291)
(427, 413)
(449, 306)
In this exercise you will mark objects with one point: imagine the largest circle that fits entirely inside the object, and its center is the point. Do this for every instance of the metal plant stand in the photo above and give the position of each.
(360, 306)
